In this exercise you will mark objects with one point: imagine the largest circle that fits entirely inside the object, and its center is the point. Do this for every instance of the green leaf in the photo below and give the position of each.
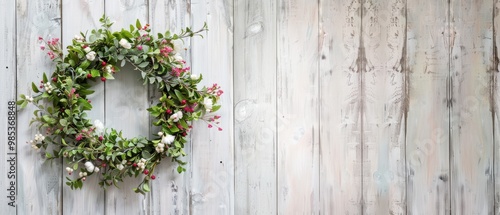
(215, 108)
(138, 24)
(179, 95)
(34, 88)
(180, 169)
(85, 64)
(75, 166)
(143, 64)
(63, 122)
(95, 73)
(145, 187)
(108, 75)
(45, 80)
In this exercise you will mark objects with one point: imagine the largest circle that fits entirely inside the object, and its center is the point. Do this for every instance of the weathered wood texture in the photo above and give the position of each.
(340, 110)
(255, 115)
(471, 143)
(338, 107)
(8, 131)
(384, 96)
(79, 16)
(40, 182)
(427, 133)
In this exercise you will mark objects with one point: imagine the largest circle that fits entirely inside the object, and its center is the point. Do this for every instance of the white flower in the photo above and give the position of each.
(178, 57)
(91, 55)
(96, 169)
(179, 114)
(119, 166)
(87, 49)
(159, 149)
(167, 139)
(195, 77)
(142, 160)
(78, 38)
(69, 169)
(178, 45)
(162, 145)
(89, 166)
(125, 44)
(29, 98)
(160, 133)
(82, 174)
(99, 127)
(124, 161)
(207, 102)
(109, 68)
(39, 138)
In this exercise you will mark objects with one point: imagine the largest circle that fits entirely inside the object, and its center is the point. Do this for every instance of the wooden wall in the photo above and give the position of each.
(330, 107)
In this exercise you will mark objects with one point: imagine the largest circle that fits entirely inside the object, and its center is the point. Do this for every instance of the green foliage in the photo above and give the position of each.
(61, 103)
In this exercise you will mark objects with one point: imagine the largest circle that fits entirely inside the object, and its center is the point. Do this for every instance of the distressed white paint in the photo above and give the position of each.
(7, 94)
(427, 137)
(340, 110)
(255, 107)
(39, 190)
(297, 99)
(79, 16)
(383, 36)
(471, 165)
(126, 103)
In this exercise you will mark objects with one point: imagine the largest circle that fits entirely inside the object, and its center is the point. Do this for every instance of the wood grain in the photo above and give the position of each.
(170, 191)
(298, 98)
(40, 182)
(340, 107)
(427, 137)
(496, 103)
(255, 107)
(212, 164)
(126, 103)
(471, 42)
(80, 16)
(383, 88)
(8, 94)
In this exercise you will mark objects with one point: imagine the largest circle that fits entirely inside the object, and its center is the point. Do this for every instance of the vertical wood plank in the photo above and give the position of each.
(428, 114)
(496, 103)
(340, 107)
(8, 115)
(297, 99)
(384, 27)
(471, 117)
(212, 179)
(80, 16)
(126, 103)
(170, 190)
(39, 182)
(255, 107)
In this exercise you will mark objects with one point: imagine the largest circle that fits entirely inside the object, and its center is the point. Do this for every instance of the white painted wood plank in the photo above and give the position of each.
(80, 16)
(472, 187)
(496, 104)
(40, 182)
(170, 190)
(255, 107)
(384, 32)
(298, 98)
(340, 107)
(8, 128)
(212, 166)
(126, 103)
(427, 136)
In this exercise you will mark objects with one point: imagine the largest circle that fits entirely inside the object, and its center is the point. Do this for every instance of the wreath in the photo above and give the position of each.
(61, 103)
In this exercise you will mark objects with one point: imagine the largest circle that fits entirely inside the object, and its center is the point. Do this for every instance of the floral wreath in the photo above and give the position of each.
(61, 103)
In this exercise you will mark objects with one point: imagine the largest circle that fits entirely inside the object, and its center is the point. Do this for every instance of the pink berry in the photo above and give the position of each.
(101, 138)
(153, 177)
(168, 111)
(134, 165)
(103, 79)
(89, 75)
(183, 102)
(103, 63)
(146, 172)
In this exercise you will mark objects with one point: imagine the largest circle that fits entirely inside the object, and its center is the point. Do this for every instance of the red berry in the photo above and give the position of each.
(184, 134)
(183, 102)
(153, 177)
(103, 164)
(134, 165)
(54, 79)
(168, 111)
(89, 75)
(83, 179)
(220, 129)
(146, 172)
(103, 63)
(103, 79)
(101, 138)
